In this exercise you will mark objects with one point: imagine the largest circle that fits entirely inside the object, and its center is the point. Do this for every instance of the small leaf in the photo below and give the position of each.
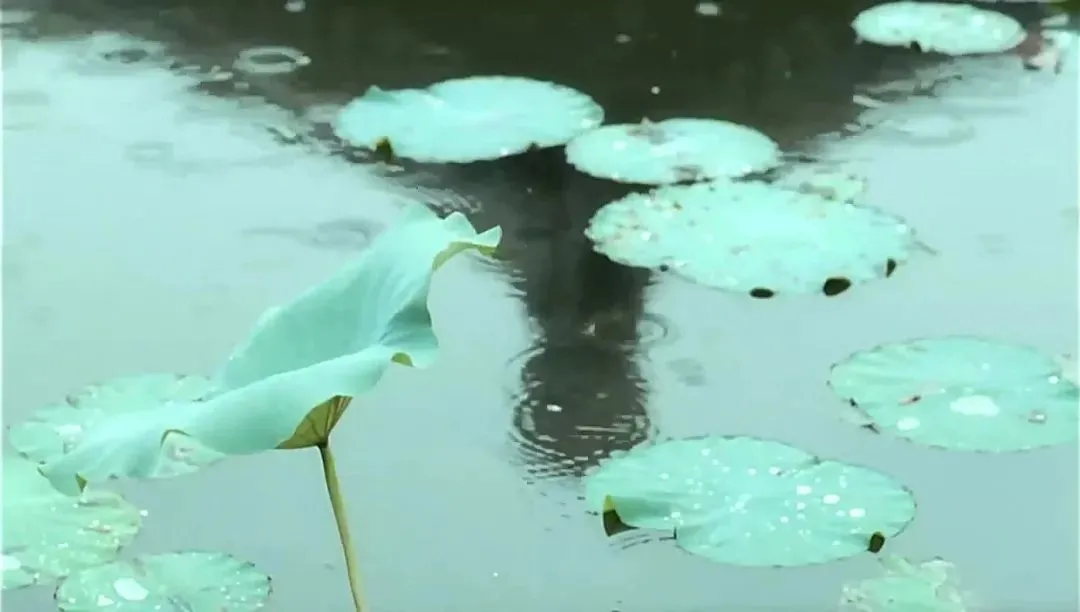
(47, 535)
(962, 393)
(877, 541)
(56, 429)
(193, 581)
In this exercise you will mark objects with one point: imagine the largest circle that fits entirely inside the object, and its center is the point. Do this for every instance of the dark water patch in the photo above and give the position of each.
(576, 403)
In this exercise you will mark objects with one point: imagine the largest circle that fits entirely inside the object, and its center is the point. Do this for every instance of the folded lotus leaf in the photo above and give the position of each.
(285, 386)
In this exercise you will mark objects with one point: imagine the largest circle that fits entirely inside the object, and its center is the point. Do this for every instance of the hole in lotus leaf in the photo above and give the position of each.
(270, 60)
(672, 151)
(743, 236)
(172, 581)
(48, 535)
(876, 543)
(930, 586)
(962, 393)
(469, 119)
(890, 267)
(835, 286)
(762, 293)
(951, 29)
(55, 430)
(753, 502)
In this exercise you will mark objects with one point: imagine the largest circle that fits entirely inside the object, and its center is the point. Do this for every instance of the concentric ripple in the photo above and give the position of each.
(575, 405)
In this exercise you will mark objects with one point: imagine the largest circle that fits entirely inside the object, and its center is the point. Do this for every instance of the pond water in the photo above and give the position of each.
(155, 205)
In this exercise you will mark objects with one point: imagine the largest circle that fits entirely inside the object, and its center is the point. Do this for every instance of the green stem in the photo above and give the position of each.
(338, 505)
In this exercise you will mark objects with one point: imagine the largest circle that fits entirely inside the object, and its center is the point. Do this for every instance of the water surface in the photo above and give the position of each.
(155, 207)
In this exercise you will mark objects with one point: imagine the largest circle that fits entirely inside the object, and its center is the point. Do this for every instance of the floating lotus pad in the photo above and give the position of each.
(55, 430)
(930, 586)
(672, 151)
(174, 581)
(918, 121)
(951, 29)
(752, 237)
(747, 501)
(467, 120)
(962, 393)
(48, 535)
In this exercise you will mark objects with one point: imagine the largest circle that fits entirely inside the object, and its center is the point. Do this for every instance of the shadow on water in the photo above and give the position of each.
(612, 356)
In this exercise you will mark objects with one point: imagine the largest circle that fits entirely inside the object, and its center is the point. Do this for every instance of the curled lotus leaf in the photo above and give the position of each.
(279, 388)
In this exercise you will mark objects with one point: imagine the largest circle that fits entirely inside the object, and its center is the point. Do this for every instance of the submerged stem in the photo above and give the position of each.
(338, 505)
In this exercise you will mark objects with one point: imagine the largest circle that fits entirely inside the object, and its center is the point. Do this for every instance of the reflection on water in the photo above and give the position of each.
(339, 234)
(577, 404)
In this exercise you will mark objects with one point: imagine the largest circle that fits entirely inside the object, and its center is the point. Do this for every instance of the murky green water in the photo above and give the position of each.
(147, 224)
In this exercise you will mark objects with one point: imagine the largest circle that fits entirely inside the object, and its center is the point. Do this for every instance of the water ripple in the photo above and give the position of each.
(574, 405)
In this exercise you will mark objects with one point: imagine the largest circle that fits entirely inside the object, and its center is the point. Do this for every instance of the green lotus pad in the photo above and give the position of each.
(753, 237)
(930, 586)
(282, 387)
(962, 393)
(951, 29)
(672, 151)
(470, 119)
(54, 430)
(747, 501)
(48, 535)
(195, 581)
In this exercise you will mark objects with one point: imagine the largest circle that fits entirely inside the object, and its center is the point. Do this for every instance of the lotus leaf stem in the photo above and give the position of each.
(342, 520)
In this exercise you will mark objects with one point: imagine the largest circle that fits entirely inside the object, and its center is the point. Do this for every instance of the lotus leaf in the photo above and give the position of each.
(929, 586)
(951, 29)
(467, 120)
(747, 501)
(174, 581)
(286, 386)
(672, 151)
(752, 237)
(58, 428)
(962, 393)
(48, 535)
